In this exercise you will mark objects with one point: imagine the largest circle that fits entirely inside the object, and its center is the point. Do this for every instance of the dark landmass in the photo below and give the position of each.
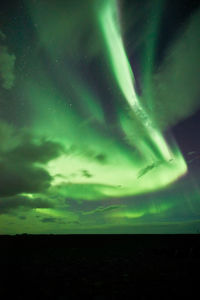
(99, 266)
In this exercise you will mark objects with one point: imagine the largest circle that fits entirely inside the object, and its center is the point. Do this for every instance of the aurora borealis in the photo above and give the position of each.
(96, 102)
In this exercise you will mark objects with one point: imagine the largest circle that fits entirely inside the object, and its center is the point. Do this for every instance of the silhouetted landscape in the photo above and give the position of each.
(99, 266)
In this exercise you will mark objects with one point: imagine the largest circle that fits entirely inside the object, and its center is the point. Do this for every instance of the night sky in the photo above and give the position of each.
(99, 116)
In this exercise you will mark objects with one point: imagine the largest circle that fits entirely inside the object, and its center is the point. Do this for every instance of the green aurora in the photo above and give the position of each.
(85, 152)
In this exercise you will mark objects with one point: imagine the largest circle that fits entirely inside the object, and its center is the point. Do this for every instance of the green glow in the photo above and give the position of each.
(112, 165)
(112, 181)
(151, 210)
(57, 117)
(66, 215)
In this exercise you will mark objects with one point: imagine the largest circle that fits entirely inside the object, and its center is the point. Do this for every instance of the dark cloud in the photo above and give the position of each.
(148, 168)
(49, 220)
(7, 64)
(10, 204)
(22, 217)
(85, 173)
(102, 209)
(53, 220)
(19, 177)
(22, 162)
(2, 35)
(30, 151)
(101, 158)
(74, 222)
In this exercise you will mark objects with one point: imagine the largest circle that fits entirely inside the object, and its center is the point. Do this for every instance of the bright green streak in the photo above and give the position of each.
(123, 73)
(119, 60)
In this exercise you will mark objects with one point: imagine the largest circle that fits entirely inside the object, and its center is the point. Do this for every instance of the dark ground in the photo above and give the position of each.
(99, 266)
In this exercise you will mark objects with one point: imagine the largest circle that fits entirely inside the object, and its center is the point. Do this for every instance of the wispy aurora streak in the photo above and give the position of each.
(124, 76)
